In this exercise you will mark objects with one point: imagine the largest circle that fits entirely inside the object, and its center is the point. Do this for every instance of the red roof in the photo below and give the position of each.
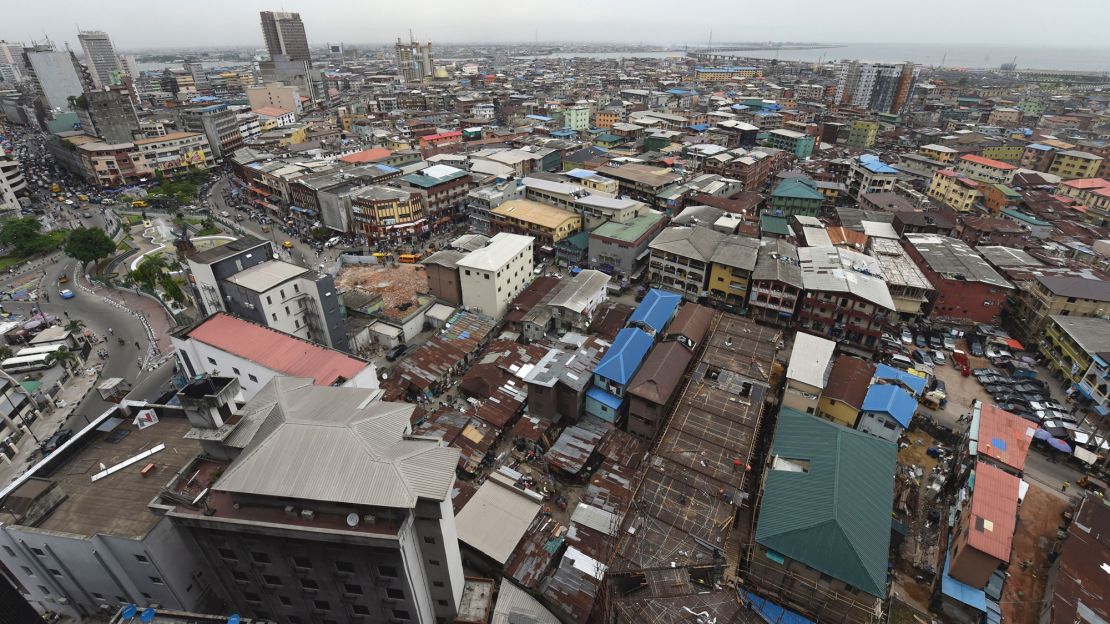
(1087, 183)
(990, 162)
(1003, 436)
(271, 111)
(441, 135)
(275, 350)
(373, 154)
(993, 518)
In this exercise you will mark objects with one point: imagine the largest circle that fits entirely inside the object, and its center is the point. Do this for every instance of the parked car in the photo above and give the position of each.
(935, 342)
(979, 372)
(995, 389)
(395, 353)
(1051, 414)
(977, 349)
(938, 357)
(907, 337)
(949, 343)
(53, 442)
(920, 341)
(1016, 408)
(1047, 405)
(921, 357)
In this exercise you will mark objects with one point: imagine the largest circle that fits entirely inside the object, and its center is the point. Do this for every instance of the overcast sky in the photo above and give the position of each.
(156, 23)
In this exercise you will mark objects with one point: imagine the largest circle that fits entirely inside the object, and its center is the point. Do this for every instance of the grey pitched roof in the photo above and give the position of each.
(335, 444)
(737, 252)
(698, 243)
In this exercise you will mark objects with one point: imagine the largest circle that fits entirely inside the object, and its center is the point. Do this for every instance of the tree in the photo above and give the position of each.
(24, 236)
(63, 355)
(172, 289)
(74, 325)
(150, 269)
(5, 352)
(89, 245)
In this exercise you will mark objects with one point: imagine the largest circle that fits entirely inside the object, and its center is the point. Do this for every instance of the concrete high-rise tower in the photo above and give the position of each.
(284, 34)
(414, 60)
(100, 55)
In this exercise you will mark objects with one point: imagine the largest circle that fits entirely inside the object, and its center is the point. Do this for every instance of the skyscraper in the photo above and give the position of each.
(57, 75)
(414, 60)
(879, 87)
(101, 57)
(284, 34)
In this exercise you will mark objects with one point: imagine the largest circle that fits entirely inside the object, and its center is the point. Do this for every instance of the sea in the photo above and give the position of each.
(929, 54)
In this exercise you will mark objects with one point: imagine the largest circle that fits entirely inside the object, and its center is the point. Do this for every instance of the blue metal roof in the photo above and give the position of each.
(890, 400)
(582, 174)
(872, 163)
(913, 382)
(608, 400)
(657, 309)
(699, 127)
(962, 592)
(771, 612)
(1038, 146)
(538, 117)
(623, 359)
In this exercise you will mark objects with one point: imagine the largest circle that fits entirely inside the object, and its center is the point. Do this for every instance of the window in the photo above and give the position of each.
(322, 605)
(351, 588)
(468, 271)
(429, 540)
(387, 571)
(286, 310)
(309, 584)
(442, 603)
(302, 562)
(296, 288)
(434, 562)
(400, 614)
(7, 549)
(145, 595)
(487, 275)
(252, 378)
(157, 580)
(27, 571)
(282, 293)
(236, 371)
(252, 597)
(227, 553)
(260, 557)
(54, 572)
(46, 591)
(271, 580)
(344, 566)
(239, 576)
(273, 315)
(395, 593)
(142, 559)
(437, 583)
(212, 361)
(360, 610)
(268, 299)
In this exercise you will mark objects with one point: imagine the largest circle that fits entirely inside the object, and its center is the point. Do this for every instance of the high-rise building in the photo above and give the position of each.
(284, 34)
(880, 87)
(11, 183)
(108, 114)
(100, 55)
(11, 53)
(414, 60)
(57, 75)
(217, 123)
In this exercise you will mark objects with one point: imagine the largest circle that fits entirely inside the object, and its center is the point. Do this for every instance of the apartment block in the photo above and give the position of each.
(492, 276)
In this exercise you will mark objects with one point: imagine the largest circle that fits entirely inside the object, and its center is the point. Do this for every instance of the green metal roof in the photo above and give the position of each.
(774, 225)
(834, 517)
(1007, 191)
(581, 240)
(609, 138)
(629, 232)
(424, 181)
(801, 188)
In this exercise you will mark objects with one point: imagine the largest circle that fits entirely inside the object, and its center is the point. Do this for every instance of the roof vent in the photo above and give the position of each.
(308, 514)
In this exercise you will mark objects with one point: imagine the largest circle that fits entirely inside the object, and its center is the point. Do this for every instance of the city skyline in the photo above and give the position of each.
(853, 21)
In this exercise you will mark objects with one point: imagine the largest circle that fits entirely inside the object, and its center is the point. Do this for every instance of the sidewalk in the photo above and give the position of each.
(50, 419)
(152, 314)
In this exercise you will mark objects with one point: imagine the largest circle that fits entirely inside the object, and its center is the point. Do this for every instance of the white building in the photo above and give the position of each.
(57, 75)
(810, 362)
(11, 182)
(491, 277)
(254, 354)
(104, 64)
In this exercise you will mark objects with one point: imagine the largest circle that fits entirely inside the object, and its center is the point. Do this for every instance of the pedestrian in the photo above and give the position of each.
(1065, 486)
(110, 332)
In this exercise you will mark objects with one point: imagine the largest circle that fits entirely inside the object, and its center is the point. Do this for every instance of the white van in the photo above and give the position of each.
(332, 242)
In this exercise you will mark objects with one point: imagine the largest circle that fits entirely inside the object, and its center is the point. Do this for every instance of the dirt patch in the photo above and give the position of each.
(1038, 520)
(914, 499)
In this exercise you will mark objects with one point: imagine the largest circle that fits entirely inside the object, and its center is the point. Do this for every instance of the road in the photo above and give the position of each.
(301, 253)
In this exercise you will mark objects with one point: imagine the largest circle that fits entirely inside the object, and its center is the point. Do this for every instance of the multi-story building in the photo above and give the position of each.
(175, 153)
(219, 125)
(776, 284)
(680, 260)
(1004, 117)
(726, 74)
(284, 35)
(128, 163)
(414, 60)
(1071, 343)
(1055, 295)
(12, 184)
(595, 206)
(908, 286)
(209, 268)
(730, 271)
(274, 95)
(104, 64)
(57, 76)
(796, 196)
(868, 174)
(956, 190)
(939, 153)
(811, 360)
(108, 114)
(965, 286)
(817, 568)
(607, 398)
(619, 249)
(548, 225)
(863, 134)
(390, 215)
(797, 143)
(880, 87)
(271, 117)
(641, 182)
(845, 297)
(294, 541)
(492, 276)
(654, 389)
(481, 200)
(986, 169)
(1071, 164)
(442, 190)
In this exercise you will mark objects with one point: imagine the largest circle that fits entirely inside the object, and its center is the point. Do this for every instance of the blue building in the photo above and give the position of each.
(913, 383)
(606, 398)
(887, 410)
(656, 311)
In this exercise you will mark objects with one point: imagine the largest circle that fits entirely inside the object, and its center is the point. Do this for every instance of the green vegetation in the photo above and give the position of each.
(211, 230)
(7, 262)
(122, 246)
(150, 270)
(89, 245)
(177, 191)
(133, 219)
(24, 237)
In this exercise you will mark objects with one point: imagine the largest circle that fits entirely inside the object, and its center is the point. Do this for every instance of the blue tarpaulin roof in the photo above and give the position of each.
(623, 359)
(872, 163)
(889, 373)
(657, 309)
(773, 613)
(962, 592)
(608, 400)
(890, 400)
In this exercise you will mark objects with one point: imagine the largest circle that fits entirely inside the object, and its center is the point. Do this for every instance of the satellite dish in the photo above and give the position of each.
(352, 519)
(129, 611)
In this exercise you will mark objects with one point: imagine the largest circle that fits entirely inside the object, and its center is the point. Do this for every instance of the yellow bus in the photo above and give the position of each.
(55, 188)
(139, 203)
(409, 258)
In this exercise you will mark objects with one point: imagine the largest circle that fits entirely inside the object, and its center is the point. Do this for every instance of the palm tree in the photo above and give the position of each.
(5, 352)
(74, 326)
(63, 355)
